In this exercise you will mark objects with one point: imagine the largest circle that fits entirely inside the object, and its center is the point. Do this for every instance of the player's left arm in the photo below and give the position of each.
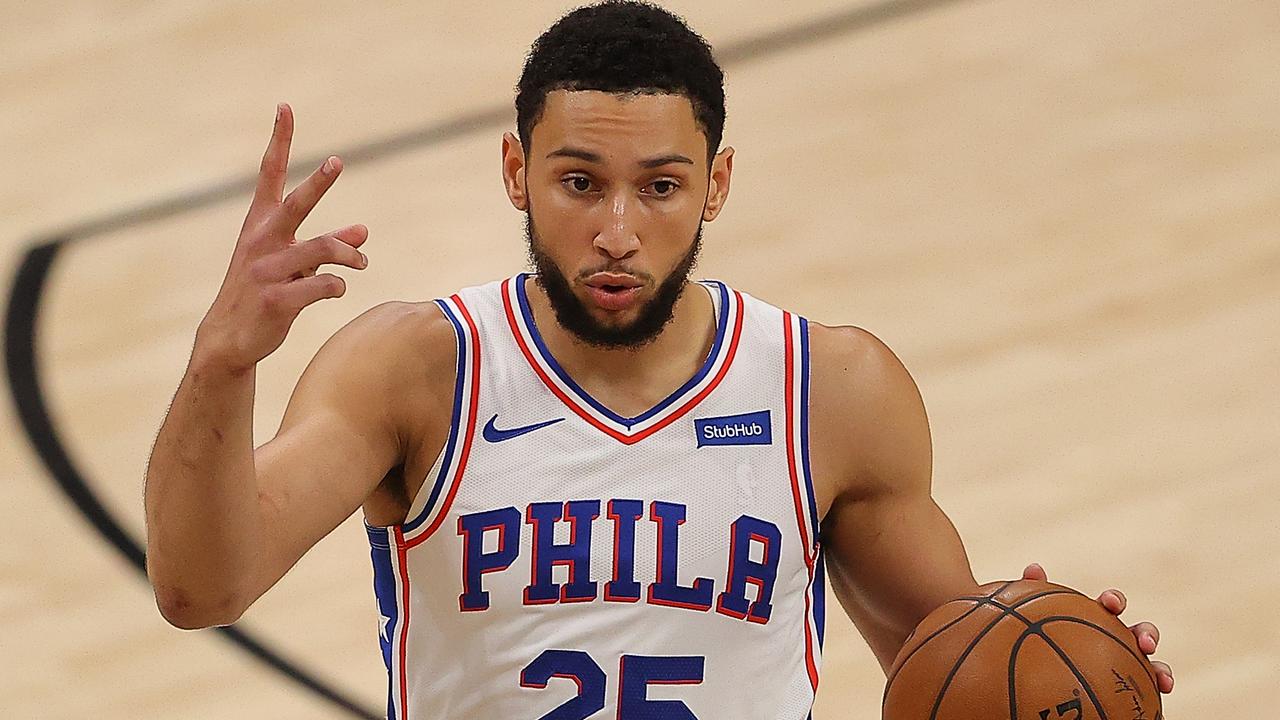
(893, 555)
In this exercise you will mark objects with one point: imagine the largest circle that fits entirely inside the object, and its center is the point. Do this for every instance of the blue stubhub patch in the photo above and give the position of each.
(746, 429)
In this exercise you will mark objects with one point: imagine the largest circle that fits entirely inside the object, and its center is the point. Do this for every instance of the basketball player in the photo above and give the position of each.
(579, 483)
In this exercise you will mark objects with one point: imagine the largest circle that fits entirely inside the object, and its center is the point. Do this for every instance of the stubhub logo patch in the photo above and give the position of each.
(746, 429)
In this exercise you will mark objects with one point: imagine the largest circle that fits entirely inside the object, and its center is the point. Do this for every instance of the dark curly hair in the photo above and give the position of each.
(623, 46)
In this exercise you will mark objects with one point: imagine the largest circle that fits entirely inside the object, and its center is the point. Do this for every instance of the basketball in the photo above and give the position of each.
(1021, 650)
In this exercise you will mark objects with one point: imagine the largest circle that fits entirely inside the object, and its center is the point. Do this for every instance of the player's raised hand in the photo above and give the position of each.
(272, 275)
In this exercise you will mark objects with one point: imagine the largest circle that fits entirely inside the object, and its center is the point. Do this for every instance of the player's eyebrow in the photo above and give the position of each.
(588, 156)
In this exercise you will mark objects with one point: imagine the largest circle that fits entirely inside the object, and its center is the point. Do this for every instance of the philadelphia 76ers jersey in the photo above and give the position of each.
(564, 562)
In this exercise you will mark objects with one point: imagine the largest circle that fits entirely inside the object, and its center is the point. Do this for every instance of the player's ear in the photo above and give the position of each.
(513, 171)
(718, 185)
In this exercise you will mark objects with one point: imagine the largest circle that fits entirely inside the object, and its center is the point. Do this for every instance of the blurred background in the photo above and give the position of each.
(1064, 217)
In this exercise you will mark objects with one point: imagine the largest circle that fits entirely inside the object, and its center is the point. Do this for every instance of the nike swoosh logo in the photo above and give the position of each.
(494, 435)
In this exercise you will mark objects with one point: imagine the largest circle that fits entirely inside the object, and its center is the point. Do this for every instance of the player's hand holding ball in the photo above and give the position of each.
(1028, 650)
(272, 275)
(1145, 634)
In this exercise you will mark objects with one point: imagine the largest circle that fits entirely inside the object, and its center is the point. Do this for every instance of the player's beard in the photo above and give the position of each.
(572, 313)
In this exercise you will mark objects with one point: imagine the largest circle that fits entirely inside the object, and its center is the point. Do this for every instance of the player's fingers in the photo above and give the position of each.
(303, 199)
(1164, 676)
(1147, 635)
(302, 259)
(1035, 572)
(275, 163)
(1113, 600)
(353, 235)
(297, 294)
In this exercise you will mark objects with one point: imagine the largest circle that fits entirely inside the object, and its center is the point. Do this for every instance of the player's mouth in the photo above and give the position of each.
(614, 291)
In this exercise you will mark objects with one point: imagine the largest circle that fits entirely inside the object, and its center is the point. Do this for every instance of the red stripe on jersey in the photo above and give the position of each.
(789, 347)
(585, 414)
(471, 424)
(401, 549)
(808, 639)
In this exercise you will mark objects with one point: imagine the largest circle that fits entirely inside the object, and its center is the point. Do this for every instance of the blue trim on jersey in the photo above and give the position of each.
(721, 326)
(454, 421)
(820, 596)
(384, 592)
(804, 426)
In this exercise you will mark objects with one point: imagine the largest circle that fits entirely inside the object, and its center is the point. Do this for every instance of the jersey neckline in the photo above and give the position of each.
(628, 430)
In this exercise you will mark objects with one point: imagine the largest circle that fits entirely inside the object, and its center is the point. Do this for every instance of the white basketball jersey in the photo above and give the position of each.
(564, 562)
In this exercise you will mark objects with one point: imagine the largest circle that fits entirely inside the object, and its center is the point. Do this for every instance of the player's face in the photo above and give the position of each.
(615, 190)
(574, 312)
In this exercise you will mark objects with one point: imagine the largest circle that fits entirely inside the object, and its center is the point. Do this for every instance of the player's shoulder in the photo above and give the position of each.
(400, 318)
(397, 323)
(422, 336)
(853, 371)
(867, 418)
(849, 351)
(396, 344)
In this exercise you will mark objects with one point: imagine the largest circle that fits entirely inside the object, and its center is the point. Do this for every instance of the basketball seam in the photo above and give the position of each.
(1041, 622)
(1104, 631)
(1009, 609)
(1037, 630)
(979, 602)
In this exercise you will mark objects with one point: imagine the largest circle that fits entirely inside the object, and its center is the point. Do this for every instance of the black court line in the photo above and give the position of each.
(24, 383)
(22, 313)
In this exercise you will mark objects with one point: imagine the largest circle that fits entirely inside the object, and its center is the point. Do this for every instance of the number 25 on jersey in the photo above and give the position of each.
(635, 674)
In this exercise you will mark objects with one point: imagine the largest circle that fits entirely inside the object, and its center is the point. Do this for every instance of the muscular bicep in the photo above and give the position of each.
(316, 472)
(893, 554)
(346, 426)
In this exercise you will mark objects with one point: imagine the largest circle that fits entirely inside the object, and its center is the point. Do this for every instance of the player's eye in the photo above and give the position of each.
(577, 183)
(663, 188)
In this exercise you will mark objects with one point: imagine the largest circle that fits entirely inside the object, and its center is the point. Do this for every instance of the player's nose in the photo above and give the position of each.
(618, 235)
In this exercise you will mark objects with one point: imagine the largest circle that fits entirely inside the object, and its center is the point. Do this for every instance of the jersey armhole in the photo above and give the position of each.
(431, 503)
(796, 349)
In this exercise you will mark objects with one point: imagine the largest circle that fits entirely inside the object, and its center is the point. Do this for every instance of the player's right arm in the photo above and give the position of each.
(225, 522)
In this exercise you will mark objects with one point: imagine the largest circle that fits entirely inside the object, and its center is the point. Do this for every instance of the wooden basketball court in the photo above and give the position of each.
(1064, 217)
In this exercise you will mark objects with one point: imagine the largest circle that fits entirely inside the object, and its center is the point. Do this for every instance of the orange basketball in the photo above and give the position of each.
(1021, 650)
